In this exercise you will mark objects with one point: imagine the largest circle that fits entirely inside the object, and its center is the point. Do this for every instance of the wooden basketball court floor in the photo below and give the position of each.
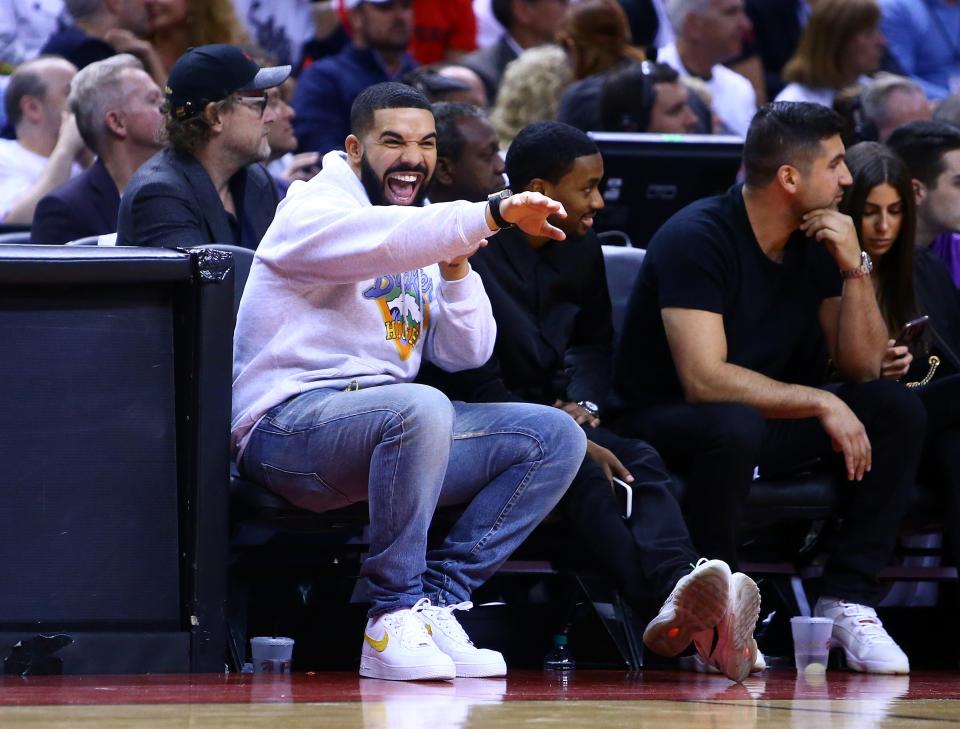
(585, 698)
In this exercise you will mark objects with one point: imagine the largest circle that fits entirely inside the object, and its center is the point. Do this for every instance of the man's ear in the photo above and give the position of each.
(211, 115)
(536, 185)
(31, 108)
(113, 121)
(919, 191)
(445, 172)
(788, 177)
(354, 149)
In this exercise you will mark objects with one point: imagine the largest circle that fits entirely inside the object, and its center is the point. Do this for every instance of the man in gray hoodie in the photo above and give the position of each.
(352, 285)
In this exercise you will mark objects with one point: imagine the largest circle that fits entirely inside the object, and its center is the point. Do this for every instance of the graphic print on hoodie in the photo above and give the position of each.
(404, 303)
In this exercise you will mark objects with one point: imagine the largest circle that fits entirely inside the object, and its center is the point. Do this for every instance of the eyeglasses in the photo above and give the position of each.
(257, 103)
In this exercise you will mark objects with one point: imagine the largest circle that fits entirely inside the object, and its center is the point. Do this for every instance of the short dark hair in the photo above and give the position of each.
(448, 114)
(786, 133)
(922, 144)
(629, 95)
(547, 150)
(27, 80)
(387, 95)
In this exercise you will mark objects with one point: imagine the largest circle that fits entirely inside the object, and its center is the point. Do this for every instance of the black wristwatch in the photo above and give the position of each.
(493, 205)
(590, 407)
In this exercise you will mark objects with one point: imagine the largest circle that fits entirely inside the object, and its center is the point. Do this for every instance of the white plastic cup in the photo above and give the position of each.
(271, 655)
(811, 644)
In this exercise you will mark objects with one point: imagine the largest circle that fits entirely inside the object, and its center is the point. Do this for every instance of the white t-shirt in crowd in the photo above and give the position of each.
(19, 170)
(734, 100)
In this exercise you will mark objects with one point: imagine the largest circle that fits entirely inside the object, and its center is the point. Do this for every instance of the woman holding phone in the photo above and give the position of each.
(920, 306)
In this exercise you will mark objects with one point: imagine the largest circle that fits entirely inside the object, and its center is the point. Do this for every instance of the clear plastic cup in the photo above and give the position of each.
(271, 655)
(811, 644)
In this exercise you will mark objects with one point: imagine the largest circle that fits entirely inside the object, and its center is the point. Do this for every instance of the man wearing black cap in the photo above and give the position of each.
(209, 186)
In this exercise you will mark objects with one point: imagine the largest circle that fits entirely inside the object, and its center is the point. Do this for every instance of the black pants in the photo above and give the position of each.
(647, 554)
(940, 464)
(715, 447)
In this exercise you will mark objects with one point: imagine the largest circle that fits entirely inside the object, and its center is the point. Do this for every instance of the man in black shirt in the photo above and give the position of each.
(554, 347)
(715, 360)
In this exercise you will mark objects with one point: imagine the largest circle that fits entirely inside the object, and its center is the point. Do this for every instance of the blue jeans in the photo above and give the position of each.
(406, 449)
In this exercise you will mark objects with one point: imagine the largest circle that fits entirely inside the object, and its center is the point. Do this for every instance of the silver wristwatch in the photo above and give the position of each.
(864, 269)
(590, 407)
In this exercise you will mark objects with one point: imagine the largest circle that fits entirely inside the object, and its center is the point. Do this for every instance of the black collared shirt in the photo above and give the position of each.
(554, 328)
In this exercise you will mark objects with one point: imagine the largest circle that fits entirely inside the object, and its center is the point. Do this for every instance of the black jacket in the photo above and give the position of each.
(82, 206)
(171, 201)
(554, 326)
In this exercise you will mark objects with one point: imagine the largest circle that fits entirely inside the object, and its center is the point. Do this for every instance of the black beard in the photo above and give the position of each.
(375, 185)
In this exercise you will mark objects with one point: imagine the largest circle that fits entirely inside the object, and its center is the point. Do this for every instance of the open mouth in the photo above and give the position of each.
(402, 187)
(587, 220)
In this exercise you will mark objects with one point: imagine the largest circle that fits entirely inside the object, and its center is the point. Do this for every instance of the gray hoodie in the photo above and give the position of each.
(343, 292)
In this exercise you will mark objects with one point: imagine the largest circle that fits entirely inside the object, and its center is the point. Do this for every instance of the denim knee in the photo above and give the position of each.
(422, 407)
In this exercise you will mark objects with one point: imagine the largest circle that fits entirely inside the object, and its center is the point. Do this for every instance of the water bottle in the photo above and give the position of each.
(560, 658)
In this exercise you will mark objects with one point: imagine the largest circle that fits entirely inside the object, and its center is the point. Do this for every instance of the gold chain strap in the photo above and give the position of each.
(934, 363)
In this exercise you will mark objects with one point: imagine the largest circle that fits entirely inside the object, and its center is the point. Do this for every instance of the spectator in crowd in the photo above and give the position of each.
(554, 345)
(443, 30)
(714, 362)
(25, 26)
(47, 146)
(841, 45)
(931, 151)
(530, 91)
(178, 25)
(469, 165)
(924, 38)
(102, 29)
(947, 245)
(326, 90)
(596, 37)
(887, 102)
(912, 281)
(117, 107)
(209, 185)
(526, 23)
(708, 33)
(476, 92)
(647, 97)
(428, 81)
(330, 335)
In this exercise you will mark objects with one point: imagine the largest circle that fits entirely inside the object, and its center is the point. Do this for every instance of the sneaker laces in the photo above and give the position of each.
(447, 621)
(411, 629)
(865, 623)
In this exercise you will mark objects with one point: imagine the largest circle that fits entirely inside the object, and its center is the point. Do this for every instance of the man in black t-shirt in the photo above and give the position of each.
(554, 347)
(717, 362)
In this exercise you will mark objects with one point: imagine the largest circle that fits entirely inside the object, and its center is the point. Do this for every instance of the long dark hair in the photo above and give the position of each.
(873, 164)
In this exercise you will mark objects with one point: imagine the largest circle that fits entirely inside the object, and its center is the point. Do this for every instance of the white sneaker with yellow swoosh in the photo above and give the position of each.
(452, 639)
(397, 647)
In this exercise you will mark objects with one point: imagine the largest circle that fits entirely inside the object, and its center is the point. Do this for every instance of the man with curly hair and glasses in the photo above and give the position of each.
(209, 185)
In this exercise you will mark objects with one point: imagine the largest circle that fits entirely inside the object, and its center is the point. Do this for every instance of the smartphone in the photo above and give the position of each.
(624, 495)
(912, 331)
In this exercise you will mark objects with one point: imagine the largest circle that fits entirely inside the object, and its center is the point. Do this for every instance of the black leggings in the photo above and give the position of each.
(716, 446)
(647, 554)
